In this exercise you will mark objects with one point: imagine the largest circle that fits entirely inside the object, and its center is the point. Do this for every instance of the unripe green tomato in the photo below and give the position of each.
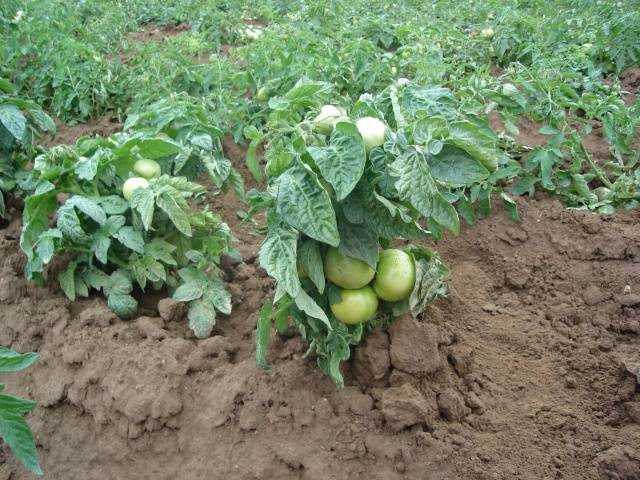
(346, 272)
(327, 118)
(509, 90)
(603, 193)
(147, 169)
(396, 275)
(133, 184)
(372, 131)
(487, 33)
(356, 306)
(262, 95)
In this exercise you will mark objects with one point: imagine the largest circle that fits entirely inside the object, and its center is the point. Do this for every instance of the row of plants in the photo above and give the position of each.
(354, 181)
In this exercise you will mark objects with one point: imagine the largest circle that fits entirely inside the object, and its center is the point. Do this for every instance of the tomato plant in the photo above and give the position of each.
(14, 430)
(20, 123)
(154, 238)
(416, 177)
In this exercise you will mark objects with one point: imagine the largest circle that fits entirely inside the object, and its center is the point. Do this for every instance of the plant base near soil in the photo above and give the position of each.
(526, 371)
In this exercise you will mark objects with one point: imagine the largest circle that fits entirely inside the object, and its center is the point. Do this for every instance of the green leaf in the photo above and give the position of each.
(131, 238)
(6, 86)
(311, 262)
(252, 161)
(100, 247)
(302, 95)
(306, 206)
(11, 361)
(342, 162)
(113, 204)
(308, 305)
(358, 241)
(154, 148)
(188, 292)
(87, 168)
(263, 332)
(161, 250)
(13, 120)
(430, 273)
(387, 219)
(455, 166)
(202, 318)
(15, 405)
(69, 224)
(416, 185)
(511, 206)
(114, 224)
(89, 207)
(16, 433)
(278, 257)
(124, 306)
(143, 201)
(169, 205)
(445, 214)
(67, 281)
(484, 202)
(524, 185)
(45, 247)
(479, 142)
(465, 210)
(218, 296)
(35, 219)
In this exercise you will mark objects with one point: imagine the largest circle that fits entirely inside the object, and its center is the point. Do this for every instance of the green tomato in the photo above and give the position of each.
(355, 306)
(147, 169)
(372, 131)
(509, 89)
(396, 275)
(603, 193)
(487, 33)
(132, 184)
(262, 95)
(327, 118)
(346, 272)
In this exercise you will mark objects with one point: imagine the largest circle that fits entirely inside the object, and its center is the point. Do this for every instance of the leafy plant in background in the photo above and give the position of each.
(186, 120)
(20, 123)
(358, 190)
(14, 430)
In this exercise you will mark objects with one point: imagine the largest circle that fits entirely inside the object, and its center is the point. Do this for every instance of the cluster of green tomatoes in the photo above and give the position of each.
(146, 170)
(361, 287)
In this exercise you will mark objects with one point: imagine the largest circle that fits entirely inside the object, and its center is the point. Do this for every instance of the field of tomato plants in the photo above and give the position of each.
(320, 239)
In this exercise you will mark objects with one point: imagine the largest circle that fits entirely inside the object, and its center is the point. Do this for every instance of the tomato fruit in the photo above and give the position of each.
(262, 95)
(355, 306)
(132, 184)
(396, 275)
(372, 131)
(147, 169)
(346, 272)
(327, 118)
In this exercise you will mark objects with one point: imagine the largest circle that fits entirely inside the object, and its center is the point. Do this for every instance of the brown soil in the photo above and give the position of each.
(256, 22)
(156, 33)
(529, 370)
(68, 134)
(630, 82)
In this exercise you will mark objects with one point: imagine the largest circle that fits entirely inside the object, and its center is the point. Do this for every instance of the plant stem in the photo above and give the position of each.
(599, 173)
